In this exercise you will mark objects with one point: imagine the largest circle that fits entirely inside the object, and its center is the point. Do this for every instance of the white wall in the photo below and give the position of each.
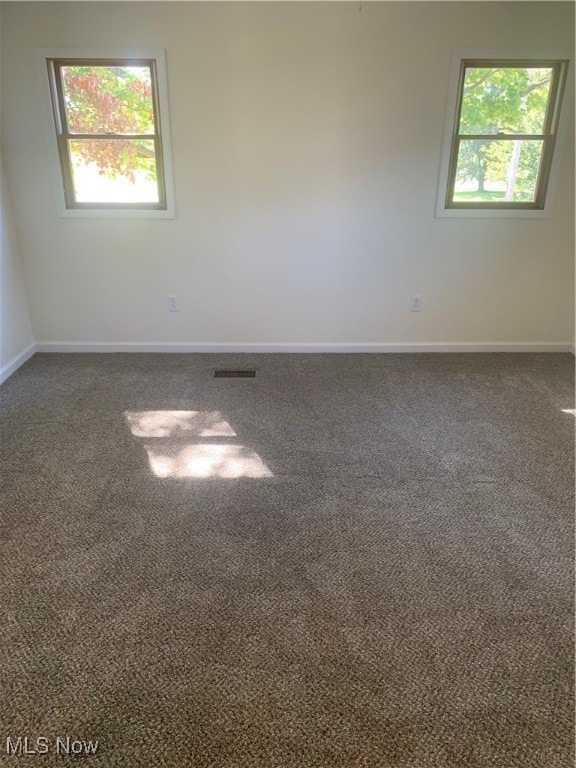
(16, 341)
(306, 143)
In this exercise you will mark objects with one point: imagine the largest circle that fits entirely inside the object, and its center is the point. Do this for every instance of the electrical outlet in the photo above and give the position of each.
(173, 305)
(416, 303)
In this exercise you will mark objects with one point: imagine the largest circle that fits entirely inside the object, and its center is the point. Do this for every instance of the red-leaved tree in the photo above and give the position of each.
(111, 101)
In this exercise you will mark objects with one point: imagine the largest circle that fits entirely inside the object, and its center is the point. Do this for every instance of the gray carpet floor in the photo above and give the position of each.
(352, 560)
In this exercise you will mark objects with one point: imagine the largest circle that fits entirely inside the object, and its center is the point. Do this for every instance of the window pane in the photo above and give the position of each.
(114, 171)
(107, 99)
(505, 100)
(492, 171)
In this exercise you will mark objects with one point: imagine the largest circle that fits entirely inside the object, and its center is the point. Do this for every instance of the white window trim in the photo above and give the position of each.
(158, 54)
(566, 107)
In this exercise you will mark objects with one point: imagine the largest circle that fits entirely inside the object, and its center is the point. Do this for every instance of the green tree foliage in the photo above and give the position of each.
(107, 100)
(503, 100)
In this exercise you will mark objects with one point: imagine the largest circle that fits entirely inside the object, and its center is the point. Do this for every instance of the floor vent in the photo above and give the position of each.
(228, 374)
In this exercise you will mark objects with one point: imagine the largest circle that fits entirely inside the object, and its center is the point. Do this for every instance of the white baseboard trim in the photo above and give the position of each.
(312, 347)
(12, 366)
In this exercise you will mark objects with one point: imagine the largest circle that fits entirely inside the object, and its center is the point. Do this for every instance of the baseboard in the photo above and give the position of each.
(12, 366)
(312, 347)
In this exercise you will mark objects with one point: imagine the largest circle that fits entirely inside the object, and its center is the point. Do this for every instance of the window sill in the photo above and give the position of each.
(116, 213)
(492, 213)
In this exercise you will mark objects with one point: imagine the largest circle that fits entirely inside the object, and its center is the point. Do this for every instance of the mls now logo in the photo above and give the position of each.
(17, 746)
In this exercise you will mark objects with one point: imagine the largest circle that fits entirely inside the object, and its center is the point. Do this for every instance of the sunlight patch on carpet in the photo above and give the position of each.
(205, 460)
(178, 424)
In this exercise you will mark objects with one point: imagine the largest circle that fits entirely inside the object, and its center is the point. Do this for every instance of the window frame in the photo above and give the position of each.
(553, 135)
(51, 60)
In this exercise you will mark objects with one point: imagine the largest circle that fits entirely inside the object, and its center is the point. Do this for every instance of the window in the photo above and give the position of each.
(503, 135)
(111, 133)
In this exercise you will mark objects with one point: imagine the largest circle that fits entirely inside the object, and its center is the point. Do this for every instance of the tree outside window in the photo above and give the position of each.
(507, 116)
(108, 130)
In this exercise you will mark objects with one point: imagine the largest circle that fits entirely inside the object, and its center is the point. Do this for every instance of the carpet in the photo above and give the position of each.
(348, 561)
